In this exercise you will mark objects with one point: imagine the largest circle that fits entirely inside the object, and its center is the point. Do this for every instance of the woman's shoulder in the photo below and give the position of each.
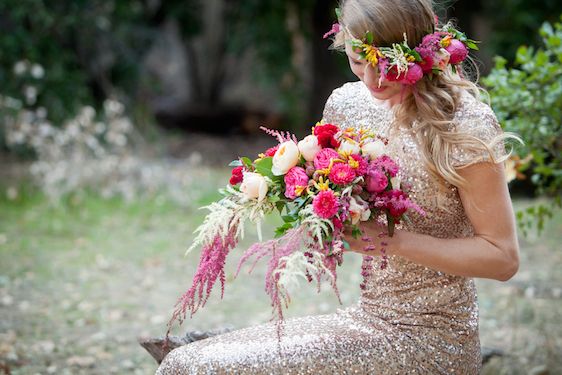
(475, 117)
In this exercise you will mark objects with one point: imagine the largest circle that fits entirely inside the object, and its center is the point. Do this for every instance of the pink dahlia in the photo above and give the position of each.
(325, 204)
(342, 174)
(362, 165)
(323, 158)
(457, 50)
(296, 177)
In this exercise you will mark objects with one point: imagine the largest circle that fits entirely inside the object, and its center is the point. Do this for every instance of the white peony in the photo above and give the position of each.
(359, 210)
(349, 146)
(254, 186)
(374, 149)
(309, 147)
(286, 157)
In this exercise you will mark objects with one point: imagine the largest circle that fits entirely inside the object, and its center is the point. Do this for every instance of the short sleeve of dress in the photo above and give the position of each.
(332, 113)
(477, 119)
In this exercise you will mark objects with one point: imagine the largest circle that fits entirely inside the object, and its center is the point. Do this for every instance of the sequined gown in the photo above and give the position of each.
(409, 319)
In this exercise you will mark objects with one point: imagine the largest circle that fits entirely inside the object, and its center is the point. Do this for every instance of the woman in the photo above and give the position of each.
(419, 314)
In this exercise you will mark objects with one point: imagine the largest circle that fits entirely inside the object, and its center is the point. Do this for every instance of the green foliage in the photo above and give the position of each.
(514, 22)
(528, 101)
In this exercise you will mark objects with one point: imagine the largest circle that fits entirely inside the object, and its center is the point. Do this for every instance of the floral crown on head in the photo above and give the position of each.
(446, 46)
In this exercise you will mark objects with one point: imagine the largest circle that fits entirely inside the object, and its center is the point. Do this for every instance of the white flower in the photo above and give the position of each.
(374, 149)
(286, 157)
(395, 182)
(349, 146)
(309, 147)
(359, 210)
(441, 59)
(254, 186)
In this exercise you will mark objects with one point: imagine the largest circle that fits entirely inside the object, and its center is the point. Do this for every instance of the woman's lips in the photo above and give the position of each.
(378, 90)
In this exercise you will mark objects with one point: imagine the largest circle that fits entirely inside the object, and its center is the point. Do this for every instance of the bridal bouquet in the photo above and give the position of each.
(330, 180)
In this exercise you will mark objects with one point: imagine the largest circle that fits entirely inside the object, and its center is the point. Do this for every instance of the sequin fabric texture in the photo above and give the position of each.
(409, 319)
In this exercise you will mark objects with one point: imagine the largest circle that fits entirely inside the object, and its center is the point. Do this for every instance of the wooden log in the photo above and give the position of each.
(158, 348)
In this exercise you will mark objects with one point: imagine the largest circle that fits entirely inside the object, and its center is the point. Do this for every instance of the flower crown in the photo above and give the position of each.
(446, 46)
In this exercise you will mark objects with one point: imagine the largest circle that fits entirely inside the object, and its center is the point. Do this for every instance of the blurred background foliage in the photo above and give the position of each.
(227, 67)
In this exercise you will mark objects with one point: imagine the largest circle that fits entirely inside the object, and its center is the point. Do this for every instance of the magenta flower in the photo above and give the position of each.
(335, 29)
(413, 75)
(325, 204)
(362, 165)
(376, 180)
(323, 158)
(342, 174)
(427, 55)
(457, 50)
(397, 203)
(295, 177)
(386, 164)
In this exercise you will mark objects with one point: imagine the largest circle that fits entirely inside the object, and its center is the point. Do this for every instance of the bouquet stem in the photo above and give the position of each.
(391, 224)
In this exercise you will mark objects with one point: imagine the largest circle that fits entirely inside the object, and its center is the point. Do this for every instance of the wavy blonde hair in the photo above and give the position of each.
(430, 112)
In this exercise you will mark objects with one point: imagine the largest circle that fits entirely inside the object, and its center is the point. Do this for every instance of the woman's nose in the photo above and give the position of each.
(371, 76)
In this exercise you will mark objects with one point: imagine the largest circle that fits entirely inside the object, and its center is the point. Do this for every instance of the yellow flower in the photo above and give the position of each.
(299, 190)
(322, 185)
(352, 162)
(446, 41)
(372, 54)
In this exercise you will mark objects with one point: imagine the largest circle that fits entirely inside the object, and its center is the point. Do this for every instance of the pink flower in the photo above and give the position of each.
(386, 164)
(322, 159)
(296, 177)
(426, 54)
(325, 204)
(335, 29)
(457, 50)
(362, 165)
(376, 180)
(337, 222)
(342, 174)
(413, 75)
(397, 203)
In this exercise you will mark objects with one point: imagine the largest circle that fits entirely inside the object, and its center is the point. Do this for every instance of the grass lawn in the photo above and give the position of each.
(79, 282)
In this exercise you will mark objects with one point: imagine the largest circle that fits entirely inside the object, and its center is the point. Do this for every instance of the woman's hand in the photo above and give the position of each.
(375, 237)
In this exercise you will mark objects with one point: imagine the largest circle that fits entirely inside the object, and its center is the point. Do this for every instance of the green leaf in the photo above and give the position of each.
(338, 13)
(263, 167)
(247, 162)
(281, 230)
(370, 37)
(356, 232)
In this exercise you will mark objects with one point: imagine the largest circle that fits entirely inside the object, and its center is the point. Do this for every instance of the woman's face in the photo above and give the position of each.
(369, 75)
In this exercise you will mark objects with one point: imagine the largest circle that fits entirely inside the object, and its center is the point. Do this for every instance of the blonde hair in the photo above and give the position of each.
(430, 111)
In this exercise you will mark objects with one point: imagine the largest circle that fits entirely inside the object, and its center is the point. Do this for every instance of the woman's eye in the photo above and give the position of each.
(357, 63)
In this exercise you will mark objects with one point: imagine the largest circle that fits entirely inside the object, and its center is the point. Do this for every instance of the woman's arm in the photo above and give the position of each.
(493, 251)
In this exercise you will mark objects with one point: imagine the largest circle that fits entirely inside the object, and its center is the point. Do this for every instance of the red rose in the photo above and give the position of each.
(325, 134)
(237, 175)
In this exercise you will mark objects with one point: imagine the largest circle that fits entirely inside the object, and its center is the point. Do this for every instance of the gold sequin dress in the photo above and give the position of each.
(409, 319)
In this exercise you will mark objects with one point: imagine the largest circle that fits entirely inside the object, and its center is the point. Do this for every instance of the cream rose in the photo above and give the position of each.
(254, 186)
(309, 147)
(286, 157)
(374, 149)
(359, 210)
(349, 146)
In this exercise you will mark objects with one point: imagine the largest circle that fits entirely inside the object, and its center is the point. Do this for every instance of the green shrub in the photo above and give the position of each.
(527, 99)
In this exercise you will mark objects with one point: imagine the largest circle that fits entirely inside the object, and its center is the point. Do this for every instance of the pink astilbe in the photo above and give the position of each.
(280, 135)
(210, 268)
(277, 249)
